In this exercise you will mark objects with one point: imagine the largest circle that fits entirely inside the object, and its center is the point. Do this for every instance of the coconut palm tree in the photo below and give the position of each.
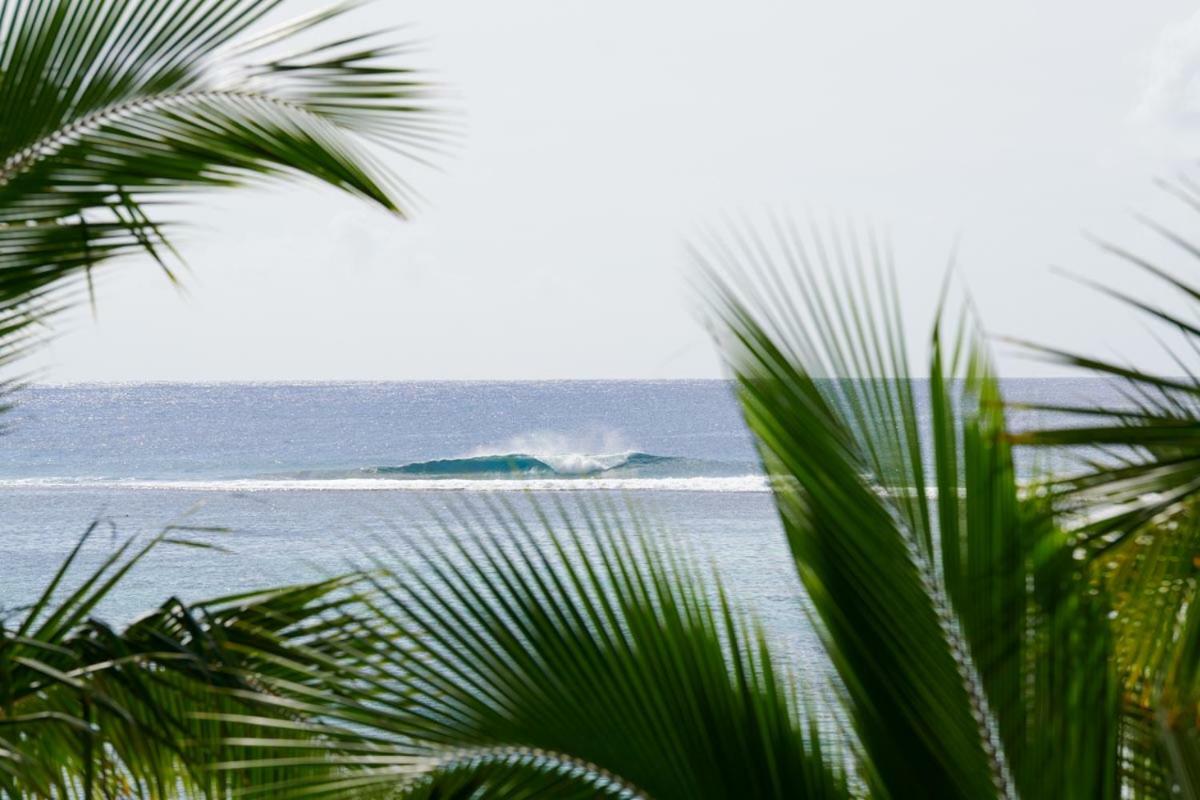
(979, 647)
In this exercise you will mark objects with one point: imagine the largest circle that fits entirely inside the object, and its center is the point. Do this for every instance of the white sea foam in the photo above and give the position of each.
(568, 455)
(583, 463)
(742, 483)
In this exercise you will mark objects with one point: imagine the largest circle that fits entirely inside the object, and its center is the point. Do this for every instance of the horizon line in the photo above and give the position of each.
(348, 381)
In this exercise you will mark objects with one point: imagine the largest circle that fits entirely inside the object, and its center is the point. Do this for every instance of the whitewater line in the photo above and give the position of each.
(738, 484)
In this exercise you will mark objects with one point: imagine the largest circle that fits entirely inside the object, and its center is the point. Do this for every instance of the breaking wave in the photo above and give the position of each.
(628, 471)
(524, 464)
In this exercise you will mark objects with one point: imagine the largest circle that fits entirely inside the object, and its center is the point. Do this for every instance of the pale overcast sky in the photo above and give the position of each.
(599, 134)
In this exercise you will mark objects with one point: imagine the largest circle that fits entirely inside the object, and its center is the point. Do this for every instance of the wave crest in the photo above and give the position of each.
(525, 464)
(517, 471)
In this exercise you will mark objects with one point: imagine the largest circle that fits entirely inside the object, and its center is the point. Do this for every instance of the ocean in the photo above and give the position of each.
(299, 478)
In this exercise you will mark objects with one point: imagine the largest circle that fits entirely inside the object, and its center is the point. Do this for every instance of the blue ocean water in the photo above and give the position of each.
(302, 476)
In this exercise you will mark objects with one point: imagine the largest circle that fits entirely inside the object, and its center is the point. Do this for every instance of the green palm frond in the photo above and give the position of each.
(973, 647)
(1141, 454)
(87, 710)
(1152, 580)
(518, 775)
(114, 108)
(1135, 500)
(568, 658)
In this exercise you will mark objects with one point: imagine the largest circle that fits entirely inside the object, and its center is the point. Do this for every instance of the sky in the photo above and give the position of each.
(599, 136)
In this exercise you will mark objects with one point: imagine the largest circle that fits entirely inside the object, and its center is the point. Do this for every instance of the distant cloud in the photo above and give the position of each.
(1169, 107)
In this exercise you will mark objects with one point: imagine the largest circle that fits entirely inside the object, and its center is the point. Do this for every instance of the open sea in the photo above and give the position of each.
(301, 477)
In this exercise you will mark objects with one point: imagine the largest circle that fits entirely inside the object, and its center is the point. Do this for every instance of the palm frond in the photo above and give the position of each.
(819, 392)
(1135, 502)
(89, 710)
(1145, 448)
(949, 603)
(115, 108)
(572, 656)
